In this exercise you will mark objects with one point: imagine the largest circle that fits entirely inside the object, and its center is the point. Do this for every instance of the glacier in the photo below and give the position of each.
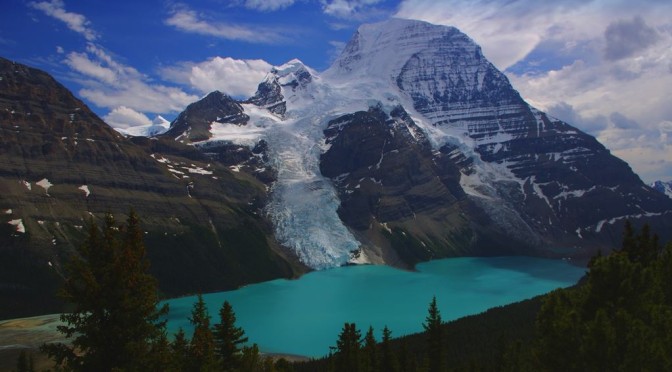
(304, 204)
(456, 98)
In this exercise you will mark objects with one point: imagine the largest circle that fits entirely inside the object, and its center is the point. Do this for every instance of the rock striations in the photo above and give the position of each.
(431, 152)
(411, 146)
(61, 167)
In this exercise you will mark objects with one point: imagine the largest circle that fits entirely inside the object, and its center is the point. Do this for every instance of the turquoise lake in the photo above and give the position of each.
(305, 316)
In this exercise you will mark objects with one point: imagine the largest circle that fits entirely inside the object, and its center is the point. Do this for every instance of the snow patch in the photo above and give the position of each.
(27, 185)
(85, 188)
(8, 211)
(45, 184)
(198, 170)
(18, 224)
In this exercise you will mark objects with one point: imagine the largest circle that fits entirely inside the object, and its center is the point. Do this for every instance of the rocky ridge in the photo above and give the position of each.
(62, 167)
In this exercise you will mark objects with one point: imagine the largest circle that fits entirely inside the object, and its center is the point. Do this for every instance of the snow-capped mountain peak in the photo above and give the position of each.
(430, 139)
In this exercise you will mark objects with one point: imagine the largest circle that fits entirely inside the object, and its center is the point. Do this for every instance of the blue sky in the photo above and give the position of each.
(603, 66)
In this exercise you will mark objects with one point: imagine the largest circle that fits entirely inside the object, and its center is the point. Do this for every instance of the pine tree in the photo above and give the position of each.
(202, 348)
(179, 350)
(434, 332)
(116, 320)
(348, 348)
(370, 352)
(388, 360)
(228, 337)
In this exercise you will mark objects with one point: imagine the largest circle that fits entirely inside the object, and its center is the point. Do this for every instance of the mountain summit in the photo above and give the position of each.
(413, 146)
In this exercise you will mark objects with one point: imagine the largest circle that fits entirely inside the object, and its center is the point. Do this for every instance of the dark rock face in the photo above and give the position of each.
(193, 124)
(663, 187)
(539, 180)
(269, 95)
(389, 178)
(61, 166)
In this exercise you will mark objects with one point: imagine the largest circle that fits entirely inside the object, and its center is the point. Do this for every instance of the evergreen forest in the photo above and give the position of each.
(617, 318)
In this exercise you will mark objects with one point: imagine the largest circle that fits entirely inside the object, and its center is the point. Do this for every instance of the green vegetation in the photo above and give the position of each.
(116, 322)
(618, 318)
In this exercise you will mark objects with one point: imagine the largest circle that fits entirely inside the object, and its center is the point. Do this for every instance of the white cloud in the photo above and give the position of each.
(268, 5)
(604, 66)
(124, 117)
(187, 20)
(74, 21)
(347, 9)
(234, 77)
(110, 84)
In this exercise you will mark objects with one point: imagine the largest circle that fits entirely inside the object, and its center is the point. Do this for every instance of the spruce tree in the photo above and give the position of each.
(202, 348)
(348, 348)
(228, 337)
(370, 351)
(115, 323)
(179, 350)
(434, 332)
(388, 360)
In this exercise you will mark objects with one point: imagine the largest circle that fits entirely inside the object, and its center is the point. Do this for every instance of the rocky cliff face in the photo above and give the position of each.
(428, 152)
(544, 181)
(412, 146)
(663, 187)
(61, 167)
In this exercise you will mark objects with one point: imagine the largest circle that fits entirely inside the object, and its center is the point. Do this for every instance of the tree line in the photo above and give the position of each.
(117, 324)
(618, 318)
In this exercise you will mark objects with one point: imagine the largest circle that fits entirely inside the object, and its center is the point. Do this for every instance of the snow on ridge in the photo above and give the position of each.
(611, 221)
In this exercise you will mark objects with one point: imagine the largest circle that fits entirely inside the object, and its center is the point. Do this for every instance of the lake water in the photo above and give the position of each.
(305, 316)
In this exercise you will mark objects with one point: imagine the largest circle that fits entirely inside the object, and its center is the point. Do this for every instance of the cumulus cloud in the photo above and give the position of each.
(110, 84)
(625, 38)
(348, 9)
(188, 20)
(124, 117)
(76, 22)
(268, 5)
(234, 77)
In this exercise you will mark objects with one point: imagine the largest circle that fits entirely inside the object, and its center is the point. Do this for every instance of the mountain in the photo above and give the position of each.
(159, 126)
(61, 167)
(413, 146)
(663, 187)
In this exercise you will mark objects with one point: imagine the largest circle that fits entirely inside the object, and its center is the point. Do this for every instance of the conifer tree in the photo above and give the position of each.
(179, 350)
(115, 323)
(370, 352)
(348, 348)
(434, 332)
(228, 337)
(202, 348)
(388, 360)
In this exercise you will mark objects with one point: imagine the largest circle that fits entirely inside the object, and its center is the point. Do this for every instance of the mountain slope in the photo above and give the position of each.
(61, 166)
(663, 187)
(414, 146)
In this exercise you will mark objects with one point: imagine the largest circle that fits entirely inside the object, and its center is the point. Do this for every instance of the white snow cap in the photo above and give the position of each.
(382, 49)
